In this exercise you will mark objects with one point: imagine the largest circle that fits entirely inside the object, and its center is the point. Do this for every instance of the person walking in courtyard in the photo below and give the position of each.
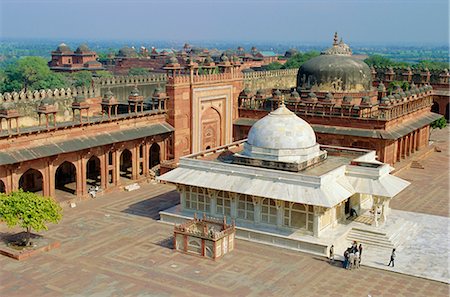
(332, 254)
(392, 258)
(360, 251)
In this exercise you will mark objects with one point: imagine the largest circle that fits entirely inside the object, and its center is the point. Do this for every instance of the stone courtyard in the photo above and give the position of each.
(115, 246)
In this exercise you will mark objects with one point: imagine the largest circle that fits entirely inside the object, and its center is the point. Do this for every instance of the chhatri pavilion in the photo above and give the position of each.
(280, 180)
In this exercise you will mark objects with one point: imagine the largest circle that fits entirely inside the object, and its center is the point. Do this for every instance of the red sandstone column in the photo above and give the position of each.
(401, 148)
(162, 150)
(116, 169)
(408, 140)
(51, 179)
(83, 163)
(134, 162)
(79, 177)
(145, 158)
(419, 138)
(45, 181)
(103, 170)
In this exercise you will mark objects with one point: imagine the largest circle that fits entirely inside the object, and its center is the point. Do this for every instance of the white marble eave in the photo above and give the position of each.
(327, 190)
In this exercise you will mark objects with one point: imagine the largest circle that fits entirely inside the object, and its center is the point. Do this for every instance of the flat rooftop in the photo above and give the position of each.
(337, 157)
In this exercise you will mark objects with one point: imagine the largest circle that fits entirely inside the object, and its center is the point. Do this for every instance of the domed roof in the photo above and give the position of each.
(80, 98)
(127, 52)
(82, 48)
(134, 92)
(47, 101)
(63, 48)
(6, 106)
(282, 136)
(282, 129)
(335, 70)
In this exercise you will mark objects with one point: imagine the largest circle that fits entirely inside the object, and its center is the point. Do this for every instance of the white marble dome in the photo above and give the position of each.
(282, 136)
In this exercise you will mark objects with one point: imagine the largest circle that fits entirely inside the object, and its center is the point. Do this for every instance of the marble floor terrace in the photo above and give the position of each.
(114, 246)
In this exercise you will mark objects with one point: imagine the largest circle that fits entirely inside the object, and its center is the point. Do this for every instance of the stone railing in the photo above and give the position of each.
(130, 79)
(396, 108)
(56, 94)
(418, 75)
(185, 78)
(270, 73)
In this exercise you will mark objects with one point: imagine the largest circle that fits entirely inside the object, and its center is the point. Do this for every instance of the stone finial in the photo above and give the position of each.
(282, 100)
(336, 38)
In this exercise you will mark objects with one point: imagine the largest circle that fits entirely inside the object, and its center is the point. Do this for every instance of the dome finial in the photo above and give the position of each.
(336, 38)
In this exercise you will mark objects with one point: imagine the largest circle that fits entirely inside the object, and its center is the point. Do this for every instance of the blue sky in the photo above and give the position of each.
(358, 21)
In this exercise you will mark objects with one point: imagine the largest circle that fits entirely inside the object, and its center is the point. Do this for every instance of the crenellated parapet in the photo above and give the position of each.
(270, 73)
(273, 79)
(56, 94)
(130, 80)
(419, 76)
(375, 105)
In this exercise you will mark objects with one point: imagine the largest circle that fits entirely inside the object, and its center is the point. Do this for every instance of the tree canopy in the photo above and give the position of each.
(380, 61)
(29, 211)
(30, 73)
(273, 66)
(82, 78)
(393, 84)
(137, 71)
(103, 73)
(299, 58)
(439, 123)
(432, 65)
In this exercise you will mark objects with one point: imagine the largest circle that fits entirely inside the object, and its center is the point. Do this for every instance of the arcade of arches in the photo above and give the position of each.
(72, 175)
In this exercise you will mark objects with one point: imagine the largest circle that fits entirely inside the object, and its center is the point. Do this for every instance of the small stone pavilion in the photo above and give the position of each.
(207, 237)
(280, 181)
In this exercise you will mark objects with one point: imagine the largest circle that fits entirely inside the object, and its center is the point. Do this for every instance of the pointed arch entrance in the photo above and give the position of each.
(435, 107)
(155, 155)
(447, 112)
(66, 177)
(93, 172)
(2, 187)
(211, 128)
(31, 181)
(126, 164)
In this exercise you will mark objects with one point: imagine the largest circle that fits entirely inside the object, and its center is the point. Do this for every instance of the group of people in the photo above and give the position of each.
(352, 256)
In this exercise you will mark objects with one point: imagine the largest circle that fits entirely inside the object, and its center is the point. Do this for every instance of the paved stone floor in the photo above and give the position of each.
(430, 190)
(114, 246)
(423, 250)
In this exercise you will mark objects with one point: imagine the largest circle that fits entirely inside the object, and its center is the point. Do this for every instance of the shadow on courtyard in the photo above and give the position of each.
(151, 207)
(166, 243)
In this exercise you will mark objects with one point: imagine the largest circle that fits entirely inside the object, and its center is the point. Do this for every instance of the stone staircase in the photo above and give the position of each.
(390, 237)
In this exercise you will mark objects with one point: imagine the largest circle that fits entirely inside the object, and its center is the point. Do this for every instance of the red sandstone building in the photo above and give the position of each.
(112, 142)
(64, 59)
(154, 61)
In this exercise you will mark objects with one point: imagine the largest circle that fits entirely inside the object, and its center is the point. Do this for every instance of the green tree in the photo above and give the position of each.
(402, 84)
(29, 210)
(30, 73)
(432, 65)
(82, 78)
(103, 73)
(273, 66)
(439, 123)
(137, 71)
(298, 59)
(380, 61)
